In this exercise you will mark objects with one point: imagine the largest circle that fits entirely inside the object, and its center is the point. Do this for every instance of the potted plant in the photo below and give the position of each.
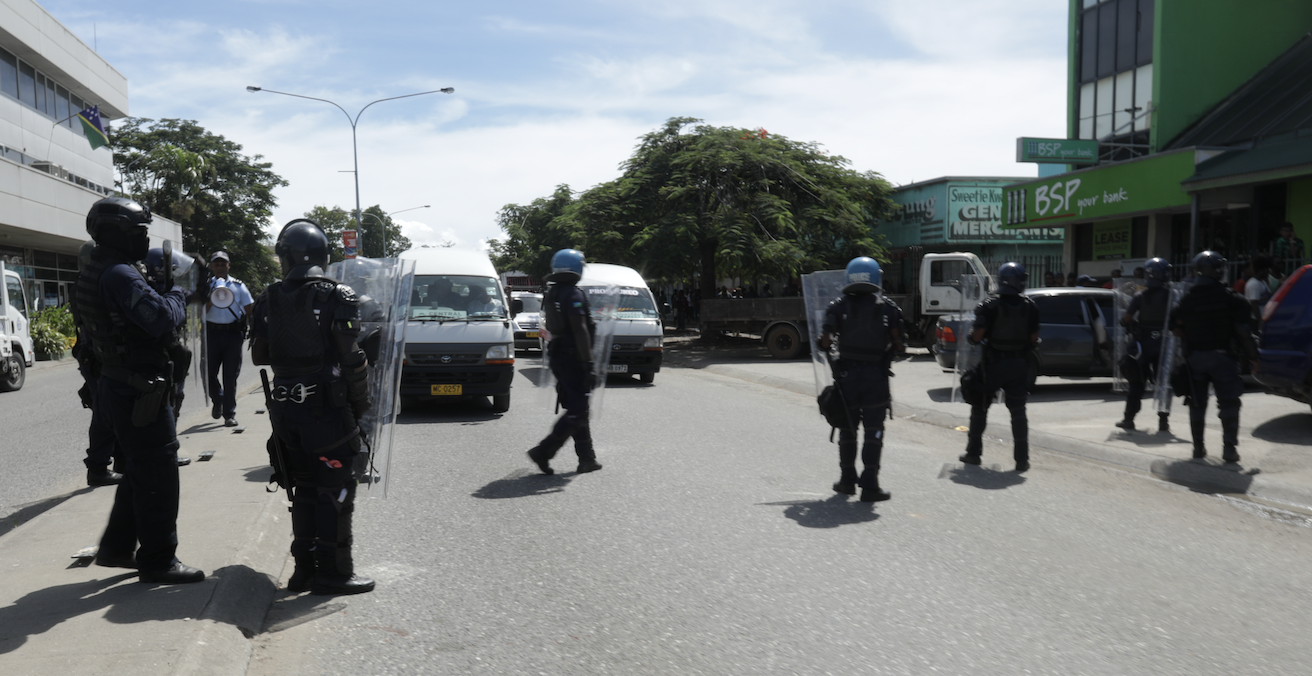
(53, 333)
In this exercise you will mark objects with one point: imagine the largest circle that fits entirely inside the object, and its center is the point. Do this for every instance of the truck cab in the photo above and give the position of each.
(17, 352)
(940, 282)
(636, 347)
(459, 340)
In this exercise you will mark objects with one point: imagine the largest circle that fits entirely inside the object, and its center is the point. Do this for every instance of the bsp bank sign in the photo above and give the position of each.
(975, 216)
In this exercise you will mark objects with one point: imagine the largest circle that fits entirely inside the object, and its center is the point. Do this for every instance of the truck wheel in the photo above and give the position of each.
(784, 342)
(648, 378)
(501, 403)
(13, 380)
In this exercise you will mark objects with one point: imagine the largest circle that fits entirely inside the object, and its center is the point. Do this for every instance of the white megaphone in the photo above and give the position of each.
(222, 297)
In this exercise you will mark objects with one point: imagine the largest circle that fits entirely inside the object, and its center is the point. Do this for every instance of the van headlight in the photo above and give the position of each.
(498, 352)
(653, 343)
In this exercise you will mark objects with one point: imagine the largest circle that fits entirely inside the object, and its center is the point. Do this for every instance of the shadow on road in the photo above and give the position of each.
(990, 478)
(828, 513)
(472, 410)
(522, 483)
(1206, 476)
(1294, 428)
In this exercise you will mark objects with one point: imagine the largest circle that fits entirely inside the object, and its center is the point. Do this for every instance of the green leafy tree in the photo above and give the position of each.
(382, 235)
(532, 234)
(333, 220)
(222, 198)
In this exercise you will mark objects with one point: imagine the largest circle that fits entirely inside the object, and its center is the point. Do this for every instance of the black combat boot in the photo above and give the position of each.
(302, 575)
(334, 574)
(1163, 423)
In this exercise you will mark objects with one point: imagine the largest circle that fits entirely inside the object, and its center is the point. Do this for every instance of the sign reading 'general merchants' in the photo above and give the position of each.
(975, 215)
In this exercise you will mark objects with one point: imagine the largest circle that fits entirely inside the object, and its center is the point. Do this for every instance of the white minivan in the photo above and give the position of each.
(458, 337)
(636, 347)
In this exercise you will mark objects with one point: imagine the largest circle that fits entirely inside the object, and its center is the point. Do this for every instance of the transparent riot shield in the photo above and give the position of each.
(1123, 342)
(974, 289)
(545, 380)
(819, 290)
(604, 301)
(1171, 356)
(383, 286)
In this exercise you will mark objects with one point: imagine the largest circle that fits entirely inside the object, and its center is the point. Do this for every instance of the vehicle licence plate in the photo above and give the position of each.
(617, 368)
(439, 390)
(531, 334)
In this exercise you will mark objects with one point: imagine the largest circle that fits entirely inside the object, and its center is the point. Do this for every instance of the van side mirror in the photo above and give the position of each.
(516, 307)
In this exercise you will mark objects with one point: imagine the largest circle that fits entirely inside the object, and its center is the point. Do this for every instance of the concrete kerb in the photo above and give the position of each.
(1203, 475)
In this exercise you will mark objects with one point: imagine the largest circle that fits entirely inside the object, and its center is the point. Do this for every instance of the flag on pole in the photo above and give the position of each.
(90, 119)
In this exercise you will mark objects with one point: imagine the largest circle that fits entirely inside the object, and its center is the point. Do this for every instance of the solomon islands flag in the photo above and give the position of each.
(90, 119)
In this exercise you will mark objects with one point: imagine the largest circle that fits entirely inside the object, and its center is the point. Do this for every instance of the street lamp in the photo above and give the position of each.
(354, 150)
(382, 223)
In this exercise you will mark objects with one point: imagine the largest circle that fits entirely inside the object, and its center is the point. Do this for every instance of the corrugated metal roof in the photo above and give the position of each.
(1276, 101)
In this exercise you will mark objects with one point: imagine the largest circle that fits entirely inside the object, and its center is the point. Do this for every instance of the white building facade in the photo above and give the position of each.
(49, 175)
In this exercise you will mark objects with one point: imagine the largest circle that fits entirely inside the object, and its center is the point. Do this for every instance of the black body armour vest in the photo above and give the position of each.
(299, 337)
(1153, 310)
(115, 341)
(1010, 331)
(555, 319)
(1208, 317)
(863, 333)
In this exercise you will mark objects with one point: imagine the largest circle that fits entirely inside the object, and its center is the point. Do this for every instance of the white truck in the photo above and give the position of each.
(16, 349)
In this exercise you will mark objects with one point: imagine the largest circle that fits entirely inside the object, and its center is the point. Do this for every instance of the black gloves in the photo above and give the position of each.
(590, 380)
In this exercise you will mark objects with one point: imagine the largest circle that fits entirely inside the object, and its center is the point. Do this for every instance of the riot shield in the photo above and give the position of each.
(974, 289)
(1123, 341)
(545, 380)
(383, 286)
(819, 290)
(1171, 356)
(604, 301)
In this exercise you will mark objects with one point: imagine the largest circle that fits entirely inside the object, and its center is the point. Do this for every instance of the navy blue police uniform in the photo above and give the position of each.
(1149, 309)
(319, 390)
(1008, 322)
(1212, 319)
(573, 373)
(130, 327)
(865, 324)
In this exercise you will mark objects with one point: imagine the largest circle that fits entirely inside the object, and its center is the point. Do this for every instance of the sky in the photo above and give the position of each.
(558, 92)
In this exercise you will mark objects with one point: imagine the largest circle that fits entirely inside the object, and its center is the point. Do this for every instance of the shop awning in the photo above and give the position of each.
(1271, 161)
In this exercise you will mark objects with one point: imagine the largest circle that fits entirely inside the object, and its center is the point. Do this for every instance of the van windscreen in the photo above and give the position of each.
(441, 297)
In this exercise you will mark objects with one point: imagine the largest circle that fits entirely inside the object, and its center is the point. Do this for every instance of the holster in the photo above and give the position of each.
(149, 401)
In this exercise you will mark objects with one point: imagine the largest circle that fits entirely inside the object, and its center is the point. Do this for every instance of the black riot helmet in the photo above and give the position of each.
(1210, 264)
(302, 250)
(121, 224)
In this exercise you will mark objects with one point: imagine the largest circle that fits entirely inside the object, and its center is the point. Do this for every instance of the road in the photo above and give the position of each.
(711, 544)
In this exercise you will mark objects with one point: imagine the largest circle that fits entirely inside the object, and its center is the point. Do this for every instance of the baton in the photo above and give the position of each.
(279, 452)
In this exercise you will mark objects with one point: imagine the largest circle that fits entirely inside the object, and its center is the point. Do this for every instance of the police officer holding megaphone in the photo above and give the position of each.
(225, 326)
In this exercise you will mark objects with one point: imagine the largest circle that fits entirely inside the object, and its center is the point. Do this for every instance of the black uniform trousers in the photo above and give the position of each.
(572, 390)
(1148, 362)
(321, 454)
(1009, 372)
(102, 445)
(1219, 369)
(146, 505)
(223, 350)
(866, 393)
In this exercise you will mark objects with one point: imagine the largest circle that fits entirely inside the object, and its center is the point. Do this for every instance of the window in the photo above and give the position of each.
(1064, 309)
(8, 73)
(947, 273)
(1106, 39)
(61, 104)
(27, 84)
(1115, 70)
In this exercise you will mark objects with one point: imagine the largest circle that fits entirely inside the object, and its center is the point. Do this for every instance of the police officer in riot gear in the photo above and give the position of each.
(1212, 321)
(1008, 327)
(306, 327)
(569, 321)
(1146, 320)
(868, 328)
(130, 326)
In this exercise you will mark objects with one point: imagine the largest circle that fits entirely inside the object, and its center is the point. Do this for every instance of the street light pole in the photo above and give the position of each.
(384, 224)
(354, 148)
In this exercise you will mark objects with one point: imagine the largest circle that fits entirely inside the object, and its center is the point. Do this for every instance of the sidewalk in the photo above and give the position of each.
(60, 615)
(1074, 418)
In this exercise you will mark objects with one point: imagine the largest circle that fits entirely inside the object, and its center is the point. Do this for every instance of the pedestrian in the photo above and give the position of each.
(569, 320)
(1288, 251)
(680, 306)
(1257, 289)
(1211, 320)
(1146, 320)
(305, 327)
(225, 332)
(1115, 281)
(868, 328)
(1049, 279)
(1008, 327)
(129, 325)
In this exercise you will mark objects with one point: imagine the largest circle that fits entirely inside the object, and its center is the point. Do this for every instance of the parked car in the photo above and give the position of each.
(526, 313)
(1285, 346)
(1074, 335)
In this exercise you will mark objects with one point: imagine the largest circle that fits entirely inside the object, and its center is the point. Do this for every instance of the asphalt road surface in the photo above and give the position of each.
(712, 544)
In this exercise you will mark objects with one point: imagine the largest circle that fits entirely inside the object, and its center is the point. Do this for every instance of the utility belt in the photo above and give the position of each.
(320, 394)
(151, 391)
(237, 326)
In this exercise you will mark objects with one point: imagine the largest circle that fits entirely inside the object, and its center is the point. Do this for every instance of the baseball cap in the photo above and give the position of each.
(220, 254)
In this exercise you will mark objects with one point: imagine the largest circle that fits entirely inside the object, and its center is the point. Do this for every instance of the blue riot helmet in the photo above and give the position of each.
(1210, 264)
(566, 266)
(302, 250)
(863, 276)
(121, 224)
(1157, 272)
(1012, 278)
